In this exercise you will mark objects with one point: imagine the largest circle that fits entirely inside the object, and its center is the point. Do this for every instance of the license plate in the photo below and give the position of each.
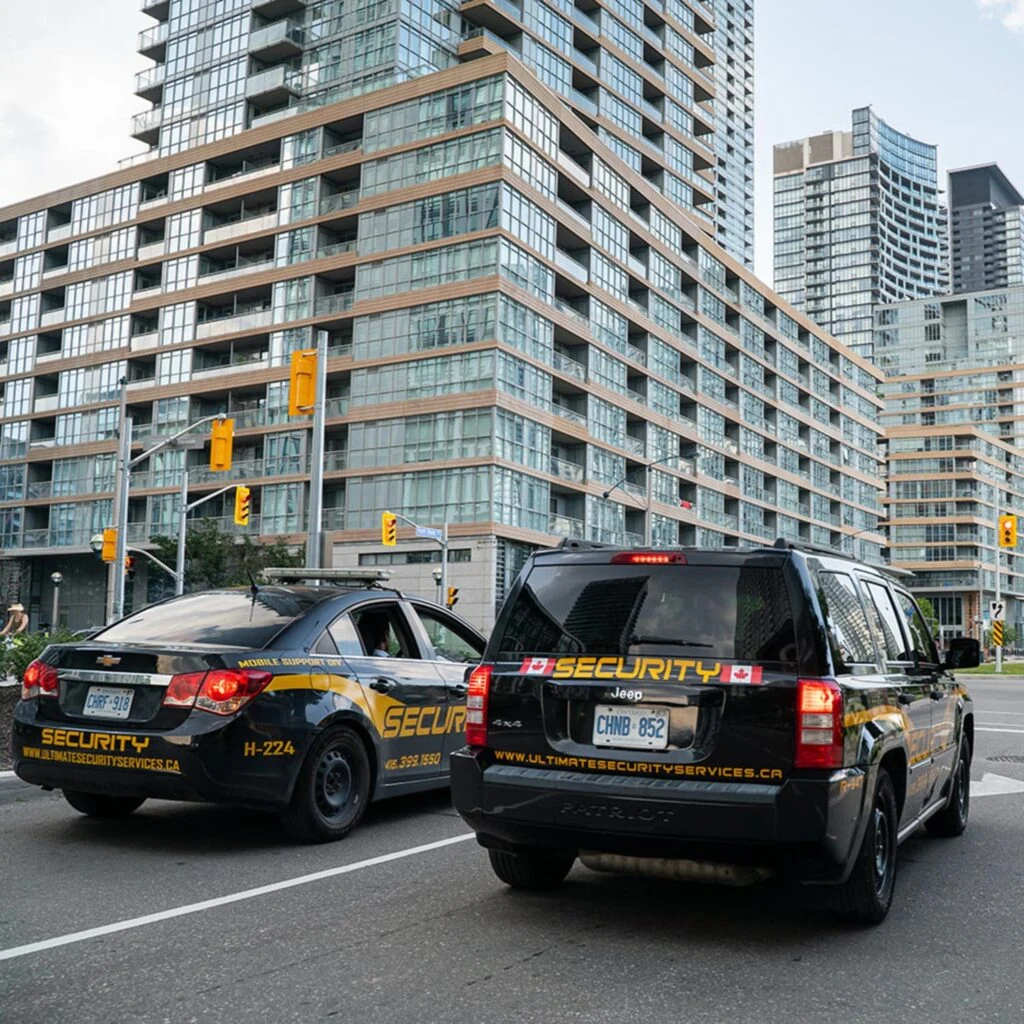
(639, 728)
(108, 702)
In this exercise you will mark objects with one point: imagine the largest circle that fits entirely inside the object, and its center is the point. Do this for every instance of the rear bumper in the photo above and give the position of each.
(807, 828)
(198, 761)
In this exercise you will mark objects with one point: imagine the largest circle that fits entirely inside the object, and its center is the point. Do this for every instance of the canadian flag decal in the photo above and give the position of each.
(536, 666)
(741, 674)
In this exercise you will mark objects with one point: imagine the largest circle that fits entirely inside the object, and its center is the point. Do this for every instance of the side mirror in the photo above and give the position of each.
(963, 653)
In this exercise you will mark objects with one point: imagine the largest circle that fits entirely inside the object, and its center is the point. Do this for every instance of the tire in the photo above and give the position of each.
(332, 790)
(531, 869)
(865, 897)
(952, 819)
(98, 806)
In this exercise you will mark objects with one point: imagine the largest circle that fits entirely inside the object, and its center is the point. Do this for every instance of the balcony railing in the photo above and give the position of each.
(339, 201)
(567, 470)
(564, 526)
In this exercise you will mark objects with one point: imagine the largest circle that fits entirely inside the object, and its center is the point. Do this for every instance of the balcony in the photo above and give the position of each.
(334, 303)
(339, 201)
(564, 526)
(145, 341)
(59, 233)
(234, 323)
(211, 273)
(151, 251)
(569, 366)
(149, 84)
(6, 287)
(567, 470)
(274, 9)
(153, 42)
(244, 226)
(277, 42)
(158, 9)
(47, 403)
(51, 317)
(146, 126)
(571, 266)
(274, 86)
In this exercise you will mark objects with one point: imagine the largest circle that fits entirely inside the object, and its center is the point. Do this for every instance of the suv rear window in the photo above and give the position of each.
(731, 613)
(229, 618)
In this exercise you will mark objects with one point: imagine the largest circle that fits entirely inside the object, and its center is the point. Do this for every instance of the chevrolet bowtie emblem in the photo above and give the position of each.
(106, 660)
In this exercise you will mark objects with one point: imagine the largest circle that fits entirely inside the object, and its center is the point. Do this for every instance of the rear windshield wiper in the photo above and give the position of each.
(650, 638)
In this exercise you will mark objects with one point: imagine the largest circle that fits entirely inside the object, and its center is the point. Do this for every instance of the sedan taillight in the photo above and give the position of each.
(39, 680)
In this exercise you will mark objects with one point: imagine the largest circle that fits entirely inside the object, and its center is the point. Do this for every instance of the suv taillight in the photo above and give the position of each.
(819, 724)
(39, 680)
(476, 706)
(221, 690)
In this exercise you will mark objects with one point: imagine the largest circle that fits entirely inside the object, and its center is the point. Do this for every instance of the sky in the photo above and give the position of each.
(949, 72)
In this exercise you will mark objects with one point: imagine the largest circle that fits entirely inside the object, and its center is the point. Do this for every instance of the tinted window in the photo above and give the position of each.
(924, 647)
(382, 630)
(233, 618)
(849, 624)
(887, 621)
(725, 612)
(446, 637)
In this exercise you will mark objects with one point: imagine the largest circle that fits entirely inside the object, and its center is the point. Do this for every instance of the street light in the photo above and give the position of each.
(438, 578)
(56, 579)
(648, 526)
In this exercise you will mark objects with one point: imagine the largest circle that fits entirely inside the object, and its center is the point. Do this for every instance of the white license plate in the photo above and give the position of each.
(639, 728)
(108, 702)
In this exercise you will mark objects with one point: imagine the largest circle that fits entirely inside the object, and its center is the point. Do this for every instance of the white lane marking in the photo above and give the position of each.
(996, 785)
(219, 901)
(989, 728)
(1016, 714)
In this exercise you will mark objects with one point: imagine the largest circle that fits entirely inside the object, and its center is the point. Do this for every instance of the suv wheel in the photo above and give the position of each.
(531, 869)
(865, 897)
(332, 790)
(952, 819)
(96, 805)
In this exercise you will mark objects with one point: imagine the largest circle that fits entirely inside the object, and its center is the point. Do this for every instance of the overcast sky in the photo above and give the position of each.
(950, 72)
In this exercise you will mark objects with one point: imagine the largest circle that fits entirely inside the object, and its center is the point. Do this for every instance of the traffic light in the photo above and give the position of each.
(453, 597)
(1007, 531)
(388, 529)
(243, 505)
(129, 567)
(220, 445)
(109, 551)
(302, 384)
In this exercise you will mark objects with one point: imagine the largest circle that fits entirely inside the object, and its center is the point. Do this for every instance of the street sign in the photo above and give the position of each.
(997, 610)
(429, 531)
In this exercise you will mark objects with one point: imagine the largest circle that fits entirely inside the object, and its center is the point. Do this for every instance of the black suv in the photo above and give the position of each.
(713, 714)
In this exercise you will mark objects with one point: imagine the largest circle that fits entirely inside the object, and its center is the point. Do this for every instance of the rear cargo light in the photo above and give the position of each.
(648, 558)
(182, 690)
(226, 690)
(39, 680)
(819, 724)
(476, 706)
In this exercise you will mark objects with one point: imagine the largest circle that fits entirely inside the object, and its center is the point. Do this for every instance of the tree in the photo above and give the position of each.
(217, 559)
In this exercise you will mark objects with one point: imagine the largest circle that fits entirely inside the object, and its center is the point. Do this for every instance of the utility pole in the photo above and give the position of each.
(314, 534)
(121, 548)
(999, 647)
(179, 565)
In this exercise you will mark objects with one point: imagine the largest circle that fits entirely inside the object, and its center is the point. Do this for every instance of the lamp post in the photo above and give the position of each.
(438, 577)
(56, 578)
(648, 525)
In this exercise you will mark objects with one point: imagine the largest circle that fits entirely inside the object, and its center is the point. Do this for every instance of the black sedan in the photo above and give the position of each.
(309, 701)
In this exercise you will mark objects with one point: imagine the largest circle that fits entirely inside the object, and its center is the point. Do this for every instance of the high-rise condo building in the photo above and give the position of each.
(519, 318)
(859, 222)
(954, 420)
(986, 218)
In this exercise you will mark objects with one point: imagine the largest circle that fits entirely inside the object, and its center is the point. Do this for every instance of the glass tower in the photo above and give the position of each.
(986, 215)
(858, 222)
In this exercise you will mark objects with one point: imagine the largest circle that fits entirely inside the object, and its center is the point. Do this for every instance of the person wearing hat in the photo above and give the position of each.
(17, 621)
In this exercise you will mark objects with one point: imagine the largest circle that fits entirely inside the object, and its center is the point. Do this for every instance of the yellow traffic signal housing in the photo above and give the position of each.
(452, 597)
(388, 529)
(243, 505)
(1007, 531)
(221, 440)
(109, 552)
(302, 385)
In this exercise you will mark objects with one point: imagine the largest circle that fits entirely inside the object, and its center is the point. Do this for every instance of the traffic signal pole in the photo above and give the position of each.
(438, 537)
(999, 562)
(122, 482)
(184, 509)
(315, 528)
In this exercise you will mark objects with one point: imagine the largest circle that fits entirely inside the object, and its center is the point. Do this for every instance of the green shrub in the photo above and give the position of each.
(25, 648)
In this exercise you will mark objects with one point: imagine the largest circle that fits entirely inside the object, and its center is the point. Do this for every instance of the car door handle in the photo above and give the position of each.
(459, 689)
(383, 685)
(905, 698)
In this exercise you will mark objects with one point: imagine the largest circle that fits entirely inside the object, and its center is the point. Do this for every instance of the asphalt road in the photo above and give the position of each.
(431, 936)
